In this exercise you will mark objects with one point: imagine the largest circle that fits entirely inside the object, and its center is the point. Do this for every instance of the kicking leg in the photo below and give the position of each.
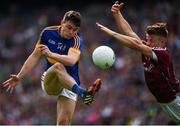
(57, 77)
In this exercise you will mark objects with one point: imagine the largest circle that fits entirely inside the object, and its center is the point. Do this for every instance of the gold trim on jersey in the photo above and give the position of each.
(75, 50)
(37, 44)
(52, 28)
(51, 60)
(41, 33)
(77, 42)
(49, 28)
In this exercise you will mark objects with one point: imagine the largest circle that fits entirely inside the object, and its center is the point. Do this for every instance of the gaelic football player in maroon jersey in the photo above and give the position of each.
(158, 66)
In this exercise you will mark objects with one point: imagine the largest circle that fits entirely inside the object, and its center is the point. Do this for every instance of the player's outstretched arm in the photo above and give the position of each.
(128, 41)
(14, 80)
(122, 24)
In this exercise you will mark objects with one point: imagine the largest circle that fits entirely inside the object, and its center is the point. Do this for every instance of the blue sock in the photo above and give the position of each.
(78, 90)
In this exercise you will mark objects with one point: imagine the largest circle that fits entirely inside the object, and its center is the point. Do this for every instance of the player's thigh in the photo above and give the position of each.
(51, 83)
(65, 108)
(64, 78)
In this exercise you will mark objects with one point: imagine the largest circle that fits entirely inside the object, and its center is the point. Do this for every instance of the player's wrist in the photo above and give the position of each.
(116, 13)
(50, 54)
(19, 78)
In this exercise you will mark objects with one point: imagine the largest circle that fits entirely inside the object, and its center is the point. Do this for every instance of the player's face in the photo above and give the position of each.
(68, 29)
(152, 40)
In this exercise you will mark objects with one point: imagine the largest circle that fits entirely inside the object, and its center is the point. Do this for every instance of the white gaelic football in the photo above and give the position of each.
(103, 57)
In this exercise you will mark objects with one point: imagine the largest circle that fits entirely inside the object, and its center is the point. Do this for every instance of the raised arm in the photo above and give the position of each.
(128, 41)
(122, 24)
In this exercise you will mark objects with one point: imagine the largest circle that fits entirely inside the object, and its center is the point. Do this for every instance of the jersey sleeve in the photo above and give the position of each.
(77, 46)
(42, 37)
(161, 56)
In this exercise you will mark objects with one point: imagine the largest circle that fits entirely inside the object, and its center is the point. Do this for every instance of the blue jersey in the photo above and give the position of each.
(52, 39)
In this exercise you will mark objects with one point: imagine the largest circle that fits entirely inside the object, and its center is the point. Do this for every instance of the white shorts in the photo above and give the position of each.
(172, 109)
(65, 92)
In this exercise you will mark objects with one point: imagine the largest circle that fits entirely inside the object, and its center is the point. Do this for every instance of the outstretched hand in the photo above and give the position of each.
(104, 29)
(116, 7)
(11, 83)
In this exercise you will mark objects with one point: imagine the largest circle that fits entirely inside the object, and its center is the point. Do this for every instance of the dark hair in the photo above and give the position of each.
(74, 17)
(157, 29)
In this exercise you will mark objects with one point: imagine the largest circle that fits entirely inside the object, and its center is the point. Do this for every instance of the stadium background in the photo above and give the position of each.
(123, 99)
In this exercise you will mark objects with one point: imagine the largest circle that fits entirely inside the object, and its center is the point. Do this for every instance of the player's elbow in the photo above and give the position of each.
(73, 59)
(71, 62)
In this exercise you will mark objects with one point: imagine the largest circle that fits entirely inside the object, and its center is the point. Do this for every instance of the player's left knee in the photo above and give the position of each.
(58, 67)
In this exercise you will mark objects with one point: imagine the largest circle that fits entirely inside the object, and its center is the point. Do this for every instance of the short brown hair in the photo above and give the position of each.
(74, 17)
(157, 29)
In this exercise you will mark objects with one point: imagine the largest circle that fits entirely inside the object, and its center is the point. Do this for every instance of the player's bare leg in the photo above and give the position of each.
(57, 78)
(50, 83)
(65, 110)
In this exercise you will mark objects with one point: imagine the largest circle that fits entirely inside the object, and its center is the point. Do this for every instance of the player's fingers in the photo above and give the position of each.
(5, 85)
(114, 9)
(117, 2)
(44, 52)
(7, 81)
(116, 6)
(120, 6)
(41, 45)
(8, 89)
(43, 48)
(103, 28)
(11, 90)
(98, 24)
(14, 77)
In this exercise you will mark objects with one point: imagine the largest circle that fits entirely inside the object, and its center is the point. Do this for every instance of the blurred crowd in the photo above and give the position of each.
(124, 97)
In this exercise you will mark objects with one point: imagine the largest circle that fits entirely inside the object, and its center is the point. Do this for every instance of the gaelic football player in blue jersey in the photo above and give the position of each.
(156, 59)
(61, 47)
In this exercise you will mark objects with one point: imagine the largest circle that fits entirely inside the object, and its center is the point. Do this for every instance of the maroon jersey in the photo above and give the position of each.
(159, 75)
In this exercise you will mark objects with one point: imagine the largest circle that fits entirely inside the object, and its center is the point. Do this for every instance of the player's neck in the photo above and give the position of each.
(59, 31)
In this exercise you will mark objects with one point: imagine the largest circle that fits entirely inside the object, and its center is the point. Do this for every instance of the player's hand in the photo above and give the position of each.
(104, 29)
(11, 83)
(44, 50)
(116, 7)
